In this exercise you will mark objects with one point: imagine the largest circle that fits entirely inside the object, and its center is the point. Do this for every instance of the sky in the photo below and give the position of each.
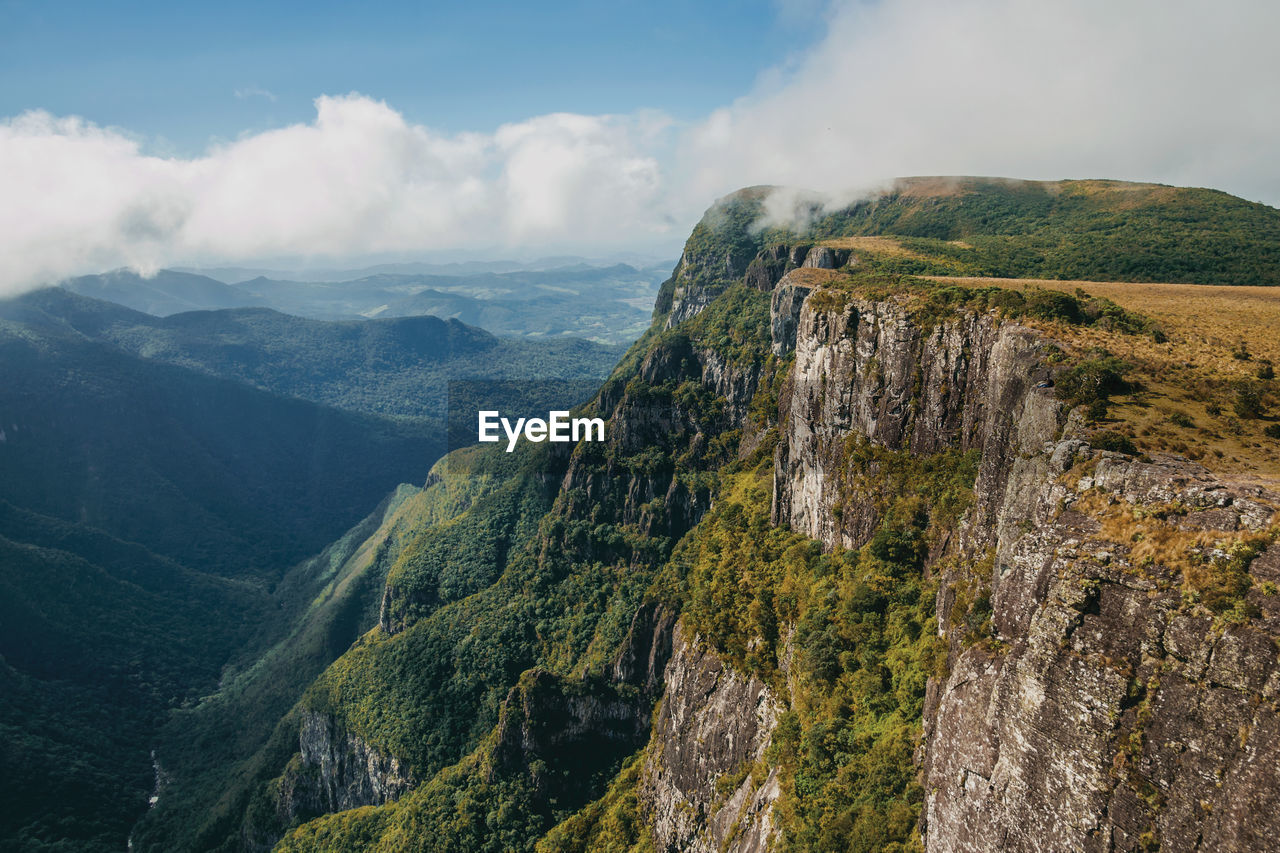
(150, 135)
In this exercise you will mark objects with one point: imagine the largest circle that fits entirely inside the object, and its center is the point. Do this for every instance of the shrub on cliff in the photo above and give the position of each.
(1091, 380)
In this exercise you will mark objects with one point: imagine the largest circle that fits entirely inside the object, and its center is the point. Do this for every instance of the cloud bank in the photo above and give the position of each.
(1164, 90)
(1173, 91)
(358, 180)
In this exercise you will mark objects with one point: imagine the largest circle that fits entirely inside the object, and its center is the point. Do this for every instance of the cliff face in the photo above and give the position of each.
(698, 786)
(1111, 675)
(865, 370)
(1107, 708)
(337, 770)
(1113, 715)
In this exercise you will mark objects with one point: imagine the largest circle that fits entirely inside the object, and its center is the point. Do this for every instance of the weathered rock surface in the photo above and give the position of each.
(1115, 715)
(713, 724)
(1106, 710)
(865, 369)
(337, 770)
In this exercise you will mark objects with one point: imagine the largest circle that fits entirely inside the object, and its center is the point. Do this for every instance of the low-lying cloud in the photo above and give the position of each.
(1178, 92)
(358, 180)
(1173, 91)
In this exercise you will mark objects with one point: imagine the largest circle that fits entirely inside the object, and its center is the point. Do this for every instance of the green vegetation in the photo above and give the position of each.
(865, 637)
(1091, 381)
(223, 750)
(611, 824)
(100, 637)
(736, 326)
(150, 514)
(933, 301)
(1087, 230)
(221, 477)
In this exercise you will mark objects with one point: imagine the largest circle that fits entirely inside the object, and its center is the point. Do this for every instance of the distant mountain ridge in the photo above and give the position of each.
(397, 366)
(167, 292)
(608, 304)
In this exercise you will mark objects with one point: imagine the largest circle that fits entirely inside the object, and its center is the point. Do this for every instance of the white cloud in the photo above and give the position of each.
(358, 180)
(1169, 90)
(1166, 90)
(255, 92)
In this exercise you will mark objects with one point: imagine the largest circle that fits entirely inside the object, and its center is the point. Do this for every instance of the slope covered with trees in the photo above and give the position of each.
(503, 642)
(160, 482)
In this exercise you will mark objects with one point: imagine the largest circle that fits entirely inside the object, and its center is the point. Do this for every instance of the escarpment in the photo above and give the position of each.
(954, 621)
(1113, 656)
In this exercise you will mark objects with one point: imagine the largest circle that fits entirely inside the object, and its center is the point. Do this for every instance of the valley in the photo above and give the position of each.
(945, 521)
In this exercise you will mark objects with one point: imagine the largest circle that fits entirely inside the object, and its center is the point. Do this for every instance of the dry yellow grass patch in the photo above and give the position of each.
(1188, 375)
(1150, 535)
(813, 277)
(1213, 563)
(1204, 322)
(871, 245)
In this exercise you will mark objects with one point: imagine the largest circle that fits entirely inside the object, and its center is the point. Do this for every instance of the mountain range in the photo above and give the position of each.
(159, 480)
(944, 520)
(605, 304)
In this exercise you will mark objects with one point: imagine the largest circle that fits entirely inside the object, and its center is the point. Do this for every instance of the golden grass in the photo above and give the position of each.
(1204, 322)
(1148, 535)
(874, 245)
(813, 277)
(1155, 535)
(1188, 374)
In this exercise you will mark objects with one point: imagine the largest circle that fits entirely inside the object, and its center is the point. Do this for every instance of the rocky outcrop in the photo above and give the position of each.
(734, 383)
(699, 279)
(866, 370)
(1117, 697)
(642, 660)
(337, 770)
(704, 787)
(1112, 712)
(784, 315)
(825, 258)
(653, 420)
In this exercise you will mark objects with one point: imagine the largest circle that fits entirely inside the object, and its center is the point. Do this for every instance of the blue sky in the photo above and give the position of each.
(231, 133)
(184, 73)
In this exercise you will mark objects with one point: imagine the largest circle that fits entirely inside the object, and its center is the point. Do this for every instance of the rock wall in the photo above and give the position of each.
(1112, 713)
(337, 770)
(866, 369)
(1106, 708)
(713, 725)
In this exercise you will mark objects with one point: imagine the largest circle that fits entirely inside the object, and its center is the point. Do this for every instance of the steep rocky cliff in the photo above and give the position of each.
(698, 784)
(1114, 703)
(852, 571)
(1114, 709)
(336, 770)
(1112, 672)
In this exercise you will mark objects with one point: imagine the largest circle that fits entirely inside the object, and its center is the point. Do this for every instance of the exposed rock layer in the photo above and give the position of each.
(1106, 711)
(337, 770)
(713, 724)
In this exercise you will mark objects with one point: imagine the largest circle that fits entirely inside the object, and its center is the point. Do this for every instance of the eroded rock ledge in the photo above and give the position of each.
(714, 724)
